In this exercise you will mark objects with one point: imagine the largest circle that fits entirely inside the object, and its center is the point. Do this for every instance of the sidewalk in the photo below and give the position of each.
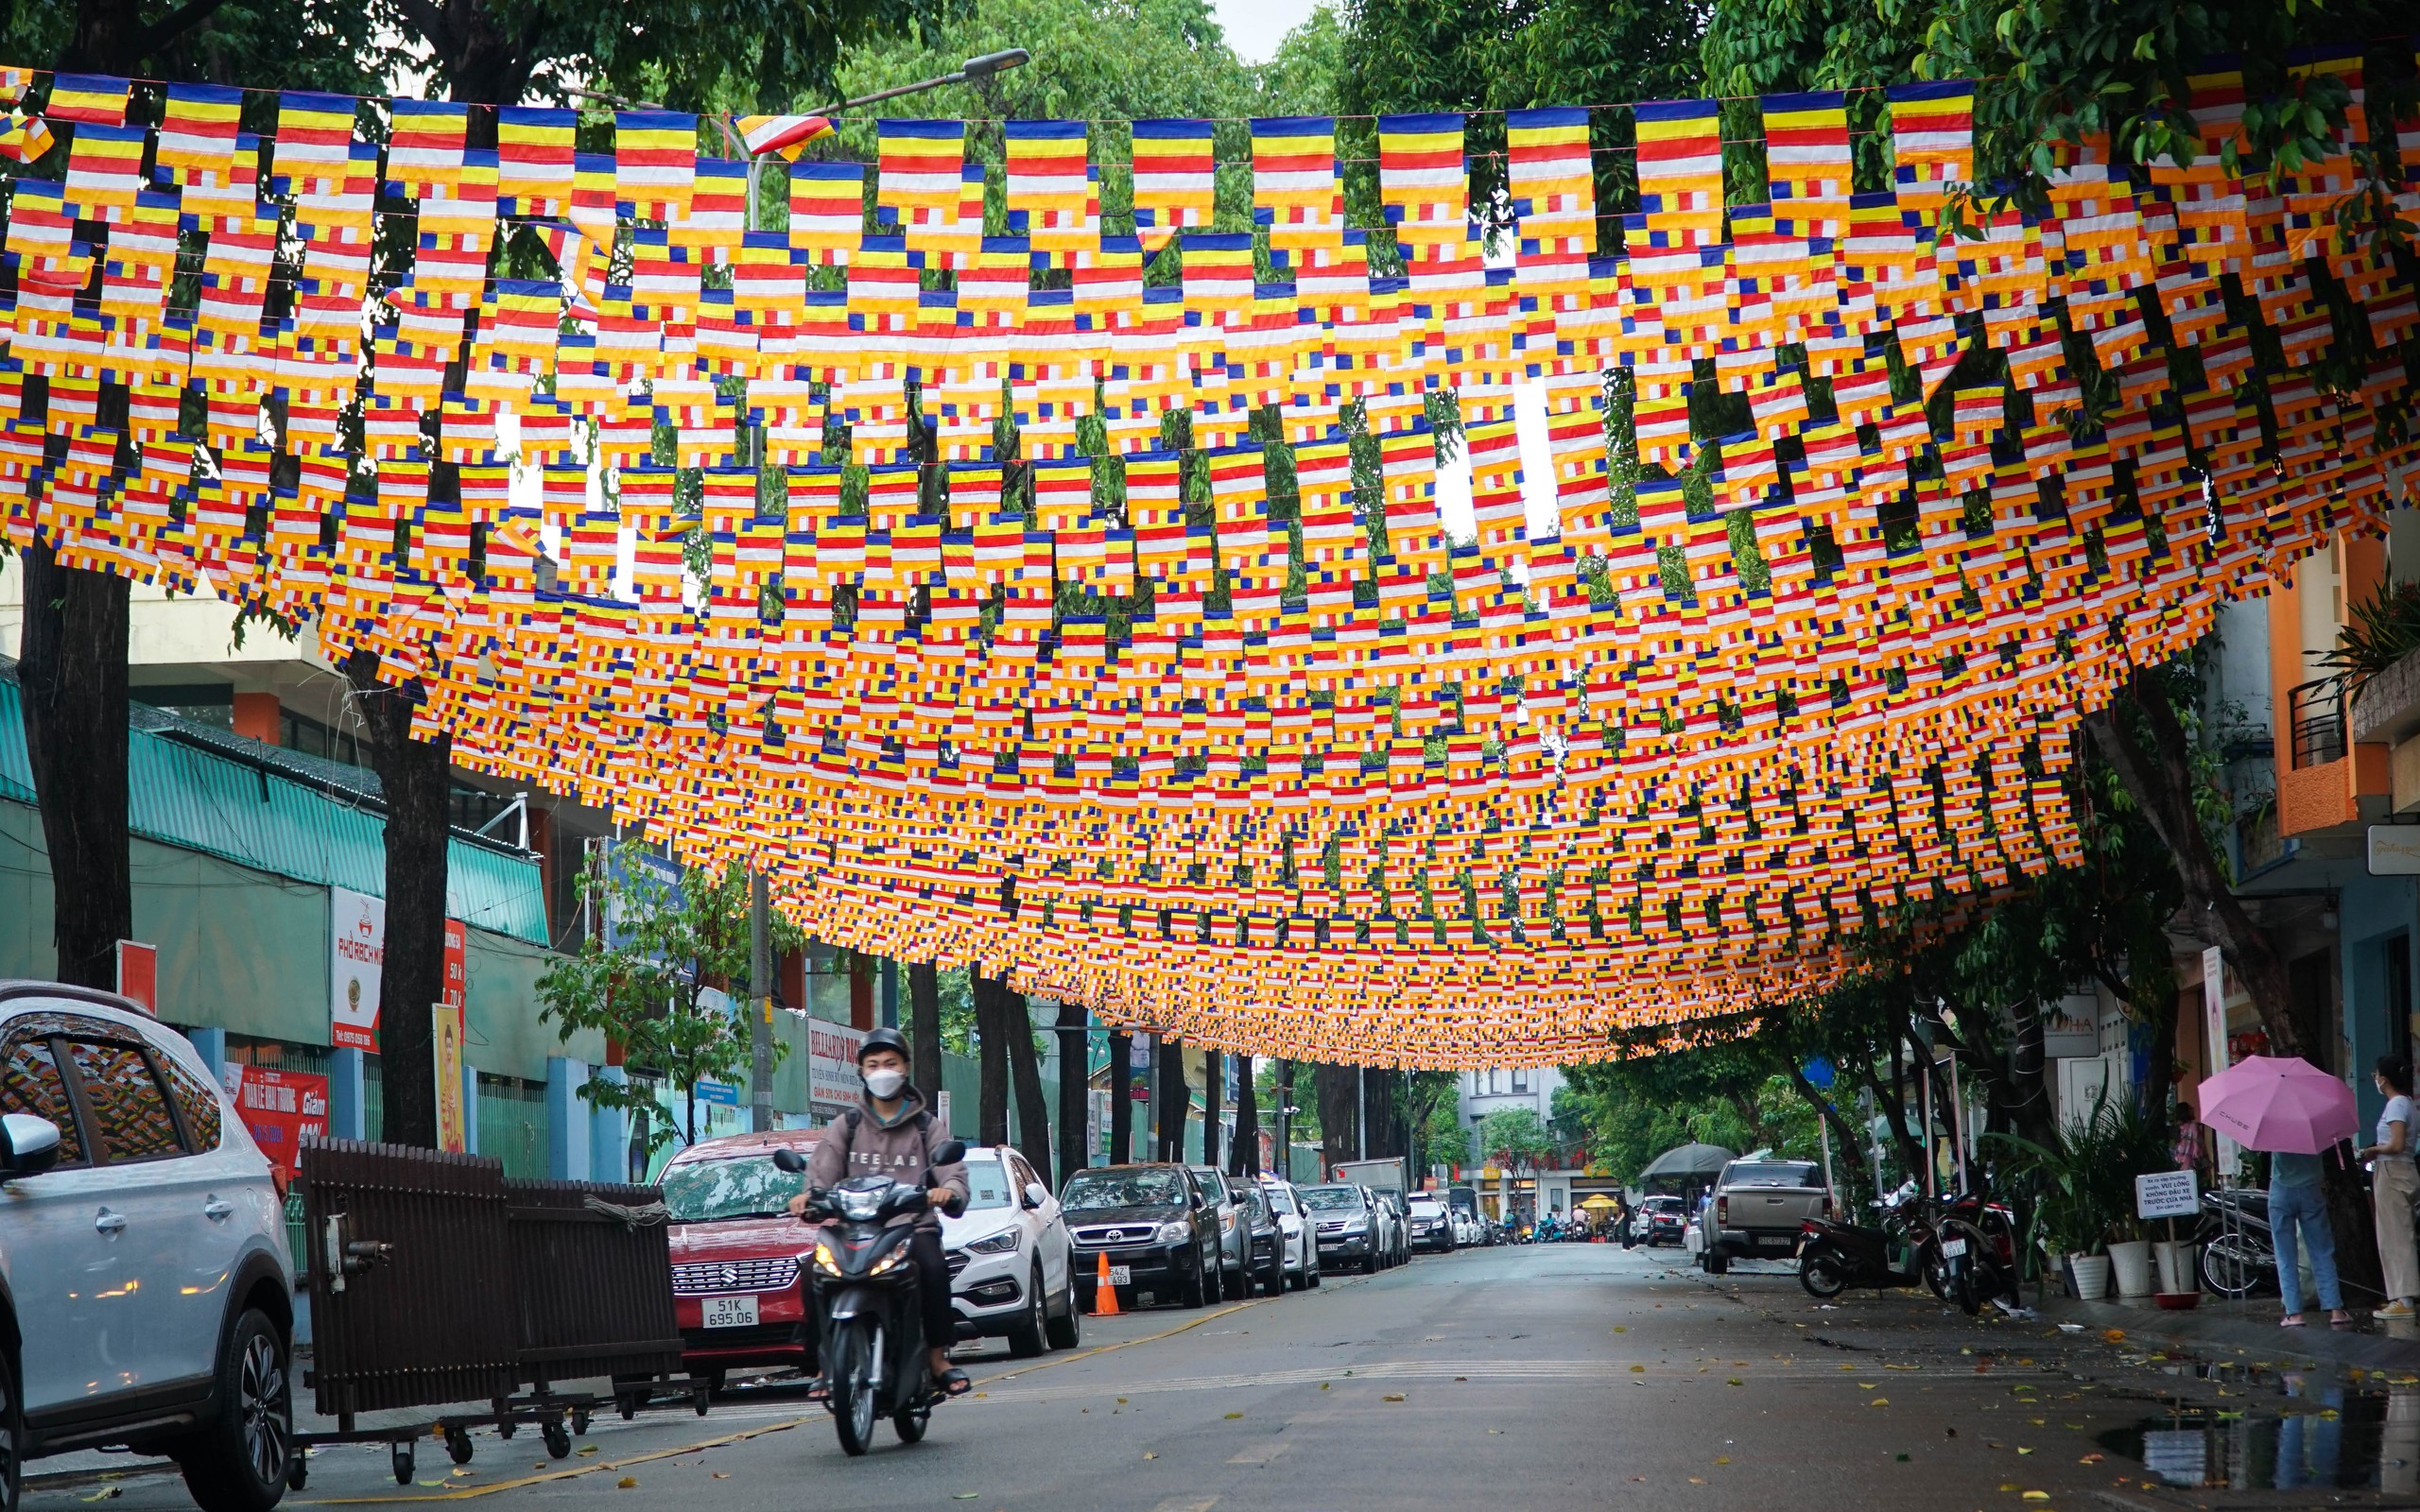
(2248, 1327)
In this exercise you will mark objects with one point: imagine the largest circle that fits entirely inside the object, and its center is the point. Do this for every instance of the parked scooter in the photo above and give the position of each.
(1975, 1248)
(865, 1288)
(1835, 1256)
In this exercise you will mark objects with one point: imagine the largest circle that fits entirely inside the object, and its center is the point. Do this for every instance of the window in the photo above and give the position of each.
(986, 1185)
(131, 1116)
(1520, 1079)
(1494, 1082)
(30, 1083)
(197, 1101)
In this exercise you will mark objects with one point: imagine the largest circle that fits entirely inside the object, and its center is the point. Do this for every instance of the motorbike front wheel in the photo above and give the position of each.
(909, 1423)
(2232, 1269)
(851, 1385)
(1822, 1274)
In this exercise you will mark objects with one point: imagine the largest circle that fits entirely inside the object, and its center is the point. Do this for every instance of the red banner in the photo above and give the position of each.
(282, 1108)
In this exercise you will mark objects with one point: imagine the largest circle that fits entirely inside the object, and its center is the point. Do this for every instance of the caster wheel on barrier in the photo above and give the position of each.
(298, 1470)
(558, 1437)
(506, 1429)
(400, 1457)
(458, 1444)
(627, 1402)
(579, 1422)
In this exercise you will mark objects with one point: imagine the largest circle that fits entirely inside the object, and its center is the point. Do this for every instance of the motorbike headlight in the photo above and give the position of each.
(890, 1261)
(825, 1260)
(1173, 1233)
(999, 1244)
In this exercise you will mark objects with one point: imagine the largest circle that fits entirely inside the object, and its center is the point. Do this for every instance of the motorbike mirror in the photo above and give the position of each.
(950, 1152)
(790, 1160)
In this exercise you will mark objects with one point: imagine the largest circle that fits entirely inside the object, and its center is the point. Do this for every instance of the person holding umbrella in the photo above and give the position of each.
(2393, 1180)
(2293, 1111)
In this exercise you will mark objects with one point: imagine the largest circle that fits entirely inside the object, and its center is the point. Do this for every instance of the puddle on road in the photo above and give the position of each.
(2324, 1435)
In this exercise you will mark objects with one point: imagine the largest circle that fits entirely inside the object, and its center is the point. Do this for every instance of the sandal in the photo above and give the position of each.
(954, 1382)
(2291, 1320)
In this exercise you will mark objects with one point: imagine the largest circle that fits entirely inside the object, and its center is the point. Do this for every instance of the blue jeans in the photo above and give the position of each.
(2297, 1207)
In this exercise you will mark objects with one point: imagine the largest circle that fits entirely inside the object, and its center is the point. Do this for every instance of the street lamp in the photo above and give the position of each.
(972, 71)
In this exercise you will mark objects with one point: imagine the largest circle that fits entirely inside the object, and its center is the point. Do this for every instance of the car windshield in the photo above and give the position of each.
(1326, 1199)
(986, 1185)
(1777, 1173)
(747, 1186)
(1426, 1208)
(1662, 1205)
(1279, 1199)
(1255, 1200)
(1121, 1188)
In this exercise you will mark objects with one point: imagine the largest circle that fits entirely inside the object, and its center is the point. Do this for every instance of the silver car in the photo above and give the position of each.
(1298, 1237)
(1234, 1237)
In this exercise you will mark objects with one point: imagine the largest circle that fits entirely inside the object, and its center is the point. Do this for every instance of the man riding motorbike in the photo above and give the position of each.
(894, 1135)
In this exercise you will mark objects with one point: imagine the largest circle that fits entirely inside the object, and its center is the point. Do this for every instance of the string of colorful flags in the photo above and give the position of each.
(1012, 596)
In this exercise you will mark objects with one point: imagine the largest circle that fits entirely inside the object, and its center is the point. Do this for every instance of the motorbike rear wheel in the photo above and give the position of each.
(2232, 1269)
(1822, 1274)
(851, 1385)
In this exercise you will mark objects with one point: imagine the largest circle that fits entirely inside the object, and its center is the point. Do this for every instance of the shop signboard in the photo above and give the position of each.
(281, 1109)
(832, 1084)
(357, 959)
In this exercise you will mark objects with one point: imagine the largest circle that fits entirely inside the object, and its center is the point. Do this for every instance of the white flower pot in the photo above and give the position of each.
(2177, 1272)
(2092, 1276)
(2130, 1261)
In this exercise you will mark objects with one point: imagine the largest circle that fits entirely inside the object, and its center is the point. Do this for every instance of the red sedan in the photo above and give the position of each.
(739, 1277)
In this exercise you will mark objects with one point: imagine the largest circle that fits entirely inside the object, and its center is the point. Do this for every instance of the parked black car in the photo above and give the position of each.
(1267, 1245)
(1155, 1224)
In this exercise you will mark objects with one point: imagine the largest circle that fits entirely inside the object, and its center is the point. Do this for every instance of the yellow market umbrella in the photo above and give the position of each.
(1600, 1203)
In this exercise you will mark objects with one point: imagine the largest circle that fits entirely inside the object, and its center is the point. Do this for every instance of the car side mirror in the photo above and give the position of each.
(1036, 1194)
(949, 1152)
(32, 1145)
(790, 1160)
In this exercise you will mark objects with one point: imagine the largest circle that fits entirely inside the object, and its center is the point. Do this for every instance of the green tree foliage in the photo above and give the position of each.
(1515, 1138)
(645, 989)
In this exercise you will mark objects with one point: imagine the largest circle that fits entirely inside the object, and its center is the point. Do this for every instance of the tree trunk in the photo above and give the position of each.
(1121, 1098)
(1176, 1100)
(1243, 1155)
(1025, 1074)
(925, 1030)
(1886, 1096)
(414, 777)
(992, 1047)
(1075, 1083)
(1214, 1097)
(1338, 1090)
(72, 671)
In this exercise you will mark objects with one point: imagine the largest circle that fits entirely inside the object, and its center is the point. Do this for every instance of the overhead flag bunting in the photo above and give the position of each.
(1133, 649)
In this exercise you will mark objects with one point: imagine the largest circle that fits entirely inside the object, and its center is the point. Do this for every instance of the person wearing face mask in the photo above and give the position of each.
(2392, 1183)
(893, 1134)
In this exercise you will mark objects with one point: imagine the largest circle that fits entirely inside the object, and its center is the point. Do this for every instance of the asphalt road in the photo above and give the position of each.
(1566, 1376)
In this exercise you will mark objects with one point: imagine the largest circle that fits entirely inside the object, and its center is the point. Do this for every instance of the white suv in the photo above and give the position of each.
(145, 1293)
(1012, 1272)
(1297, 1239)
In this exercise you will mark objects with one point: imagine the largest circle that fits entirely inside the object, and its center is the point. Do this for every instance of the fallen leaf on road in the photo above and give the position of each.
(2114, 1335)
(719, 1475)
(1623, 1328)
(2037, 1496)
(1495, 1430)
(2090, 1459)
(588, 1449)
(2009, 1486)
(1735, 1380)
(1121, 1399)
(1232, 1416)
(1697, 1480)
(628, 1483)
(1393, 1395)
(1150, 1453)
(969, 1496)
(2022, 1449)
(1723, 1459)
(1323, 1385)
(1638, 1369)
(1879, 1402)
(104, 1494)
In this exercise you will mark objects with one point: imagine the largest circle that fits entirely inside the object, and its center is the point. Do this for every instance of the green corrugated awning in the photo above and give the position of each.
(248, 812)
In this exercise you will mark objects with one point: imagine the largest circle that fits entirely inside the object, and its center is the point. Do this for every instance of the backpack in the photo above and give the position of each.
(856, 1118)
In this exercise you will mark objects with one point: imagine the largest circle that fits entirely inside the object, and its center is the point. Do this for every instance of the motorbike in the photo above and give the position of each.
(1834, 1255)
(1974, 1248)
(865, 1293)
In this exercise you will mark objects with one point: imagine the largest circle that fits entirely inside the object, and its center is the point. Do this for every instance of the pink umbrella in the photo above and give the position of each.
(2280, 1104)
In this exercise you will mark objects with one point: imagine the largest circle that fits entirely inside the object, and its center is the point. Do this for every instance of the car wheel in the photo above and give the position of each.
(1717, 1262)
(12, 1434)
(1026, 1333)
(1193, 1289)
(1214, 1281)
(238, 1463)
(1067, 1330)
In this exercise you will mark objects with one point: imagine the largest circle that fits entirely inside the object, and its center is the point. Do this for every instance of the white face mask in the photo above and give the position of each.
(886, 1084)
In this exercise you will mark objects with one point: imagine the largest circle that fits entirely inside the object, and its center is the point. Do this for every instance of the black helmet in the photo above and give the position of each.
(882, 1039)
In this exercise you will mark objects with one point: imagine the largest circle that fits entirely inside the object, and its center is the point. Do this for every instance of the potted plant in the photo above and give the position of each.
(2085, 1178)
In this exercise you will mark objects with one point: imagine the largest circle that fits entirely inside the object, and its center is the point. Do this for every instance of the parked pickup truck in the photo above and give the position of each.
(1757, 1207)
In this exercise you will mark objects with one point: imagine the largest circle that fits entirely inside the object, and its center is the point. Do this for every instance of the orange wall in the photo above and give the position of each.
(256, 717)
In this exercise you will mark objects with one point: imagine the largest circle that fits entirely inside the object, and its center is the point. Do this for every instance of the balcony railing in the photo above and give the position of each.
(2317, 711)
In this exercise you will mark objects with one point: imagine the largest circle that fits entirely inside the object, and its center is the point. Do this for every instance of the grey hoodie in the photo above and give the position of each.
(896, 1149)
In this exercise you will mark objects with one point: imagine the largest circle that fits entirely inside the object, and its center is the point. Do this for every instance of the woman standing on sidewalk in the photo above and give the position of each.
(2298, 1210)
(2393, 1180)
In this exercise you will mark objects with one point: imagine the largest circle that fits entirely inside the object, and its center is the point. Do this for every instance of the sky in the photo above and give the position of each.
(1255, 27)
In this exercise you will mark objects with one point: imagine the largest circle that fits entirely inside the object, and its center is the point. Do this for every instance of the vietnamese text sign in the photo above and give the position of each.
(832, 1083)
(454, 980)
(2168, 1195)
(356, 958)
(720, 1092)
(280, 1109)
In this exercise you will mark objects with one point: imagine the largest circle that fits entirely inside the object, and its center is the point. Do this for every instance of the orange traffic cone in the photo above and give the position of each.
(1104, 1295)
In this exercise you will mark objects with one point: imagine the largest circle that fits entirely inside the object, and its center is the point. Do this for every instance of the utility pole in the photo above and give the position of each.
(760, 1023)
